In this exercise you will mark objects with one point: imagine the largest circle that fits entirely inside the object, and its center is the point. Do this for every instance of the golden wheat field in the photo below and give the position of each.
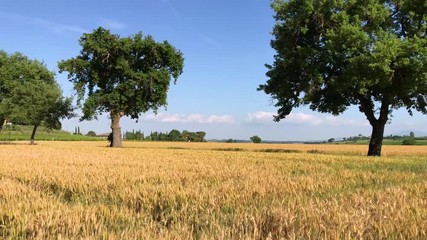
(84, 190)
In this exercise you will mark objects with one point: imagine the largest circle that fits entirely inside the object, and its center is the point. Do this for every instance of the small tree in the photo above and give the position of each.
(255, 139)
(91, 134)
(33, 108)
(122, 76)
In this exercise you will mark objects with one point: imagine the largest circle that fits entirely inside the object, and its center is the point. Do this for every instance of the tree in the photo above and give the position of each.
(91, 134)
(412, 134)
(122, 76)
(201, 135)
(175, 135)
(30, 107)
(186, 135)
(154, 136)
(4, 70)
(14, 68)
(31, 95)
(138, 135)
(334, 54)
(77, 131)
(255, 139)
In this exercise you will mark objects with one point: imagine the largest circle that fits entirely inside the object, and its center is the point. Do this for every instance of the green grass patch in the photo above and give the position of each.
(23, 133)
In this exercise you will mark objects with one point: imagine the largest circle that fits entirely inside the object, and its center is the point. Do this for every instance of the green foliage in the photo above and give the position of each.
(193, 136)
(255, 139)
(30, 94)
(91, 134)
(122, 76)
(176, 136)
(134, 135)
(333, 54)
(409, 141)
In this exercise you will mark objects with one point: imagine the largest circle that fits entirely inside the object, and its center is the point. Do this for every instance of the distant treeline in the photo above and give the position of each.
(411, 135)
(172, 136)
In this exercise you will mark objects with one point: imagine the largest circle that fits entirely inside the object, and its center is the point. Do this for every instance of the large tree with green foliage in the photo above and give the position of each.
(122, 76)
(332, 54)
(30, 94)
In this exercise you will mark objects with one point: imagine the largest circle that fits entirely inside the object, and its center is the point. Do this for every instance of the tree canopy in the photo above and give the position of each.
(122, 76)
(255, 139)
(29, 94)
(176, 136)
(38, 103)
(334, 54)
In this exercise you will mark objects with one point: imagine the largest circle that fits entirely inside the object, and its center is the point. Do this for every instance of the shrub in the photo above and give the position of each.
(91, 134)
(409, 141)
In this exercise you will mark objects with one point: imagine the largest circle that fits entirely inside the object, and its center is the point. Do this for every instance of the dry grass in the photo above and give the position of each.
(211, 191)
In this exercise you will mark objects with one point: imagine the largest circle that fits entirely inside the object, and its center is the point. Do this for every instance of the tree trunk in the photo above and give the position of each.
(33, 134)
(377, 136)
(116, 141)
(2, 121)
(378, 125)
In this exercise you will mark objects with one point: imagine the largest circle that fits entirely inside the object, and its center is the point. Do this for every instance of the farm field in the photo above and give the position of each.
(164, 190)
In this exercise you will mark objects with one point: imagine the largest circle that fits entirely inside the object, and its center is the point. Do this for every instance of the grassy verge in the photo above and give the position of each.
(23, 133)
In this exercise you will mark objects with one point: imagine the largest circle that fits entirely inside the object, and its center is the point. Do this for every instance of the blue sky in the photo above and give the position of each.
(225, 44)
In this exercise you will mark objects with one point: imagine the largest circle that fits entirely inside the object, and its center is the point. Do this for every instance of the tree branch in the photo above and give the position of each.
(367, 107)
(384, 110)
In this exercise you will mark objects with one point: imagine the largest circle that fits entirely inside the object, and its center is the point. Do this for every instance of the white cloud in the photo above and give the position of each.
(260, 116)
(265, 117)
(220, 119)
(340, 121)
(189, 118)
(57, 27)
(304, 118)
(113, 24)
